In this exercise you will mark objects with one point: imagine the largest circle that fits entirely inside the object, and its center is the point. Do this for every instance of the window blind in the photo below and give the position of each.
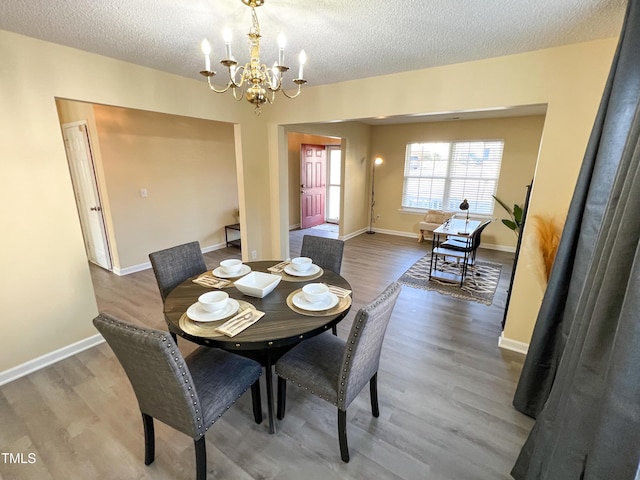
(441, 175)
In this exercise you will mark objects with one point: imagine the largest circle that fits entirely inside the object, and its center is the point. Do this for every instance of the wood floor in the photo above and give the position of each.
(445, 391)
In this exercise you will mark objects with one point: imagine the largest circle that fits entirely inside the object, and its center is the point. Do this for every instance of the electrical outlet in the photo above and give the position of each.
(254, 254)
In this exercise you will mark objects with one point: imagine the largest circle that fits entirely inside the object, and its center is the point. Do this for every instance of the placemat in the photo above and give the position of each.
(208, 329)
(343, 304)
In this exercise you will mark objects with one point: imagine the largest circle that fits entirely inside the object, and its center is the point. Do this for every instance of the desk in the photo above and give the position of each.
(234, 242)
(457, 228)
(279, 330)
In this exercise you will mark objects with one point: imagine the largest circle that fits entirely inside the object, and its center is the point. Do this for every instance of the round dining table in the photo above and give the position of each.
(282, 326)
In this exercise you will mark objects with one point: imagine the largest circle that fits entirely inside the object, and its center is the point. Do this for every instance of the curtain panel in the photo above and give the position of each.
(581, 377)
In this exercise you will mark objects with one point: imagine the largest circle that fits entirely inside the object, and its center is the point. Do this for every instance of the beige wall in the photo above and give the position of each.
(42, 250)
(187, 166)
(37, 195)
(294, 140)
(521, 137)
(569, 80)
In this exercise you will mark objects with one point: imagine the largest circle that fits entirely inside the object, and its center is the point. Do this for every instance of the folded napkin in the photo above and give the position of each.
(339, 291)
(240, 322)
(279, 267)
(207, 279)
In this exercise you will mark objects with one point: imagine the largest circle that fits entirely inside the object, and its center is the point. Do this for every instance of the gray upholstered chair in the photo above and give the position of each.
(337, 370)
(174, 265)
(188, 394)
(326, 253)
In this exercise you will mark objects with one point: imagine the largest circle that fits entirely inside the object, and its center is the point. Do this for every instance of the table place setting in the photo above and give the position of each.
(231, 268)
(301, 269)
(315, 299)
(213, 310)
(213, 306)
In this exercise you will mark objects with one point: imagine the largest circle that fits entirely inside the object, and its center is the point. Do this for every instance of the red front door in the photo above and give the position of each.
(313, 171)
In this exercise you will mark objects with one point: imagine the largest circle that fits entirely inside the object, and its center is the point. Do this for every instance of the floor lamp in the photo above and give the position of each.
(377, 161)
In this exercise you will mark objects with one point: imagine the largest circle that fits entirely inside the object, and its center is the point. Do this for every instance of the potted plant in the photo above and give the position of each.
(515, 221)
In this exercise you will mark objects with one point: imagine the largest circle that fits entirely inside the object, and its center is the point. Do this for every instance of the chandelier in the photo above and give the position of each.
(254, 81)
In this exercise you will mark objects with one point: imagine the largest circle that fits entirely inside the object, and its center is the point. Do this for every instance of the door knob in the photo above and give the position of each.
(96, 209)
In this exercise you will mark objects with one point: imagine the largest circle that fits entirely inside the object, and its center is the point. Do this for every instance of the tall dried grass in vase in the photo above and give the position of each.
(547, 232)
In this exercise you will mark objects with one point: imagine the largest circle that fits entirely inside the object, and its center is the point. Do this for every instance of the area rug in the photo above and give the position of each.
(479, 285)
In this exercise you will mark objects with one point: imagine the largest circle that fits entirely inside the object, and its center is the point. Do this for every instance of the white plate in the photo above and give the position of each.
(199, 314)
(312, 270)
(244, 269)
(301, 302)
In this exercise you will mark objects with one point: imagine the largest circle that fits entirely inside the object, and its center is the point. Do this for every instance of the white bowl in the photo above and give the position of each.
(258, 284)
(315, 292)
(301, 264)
(231, 266)
(213, 301)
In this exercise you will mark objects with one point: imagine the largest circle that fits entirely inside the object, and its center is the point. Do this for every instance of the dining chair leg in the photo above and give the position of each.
(282, 397)
(373, 390)
(257, 401)
(149, 439)
(201, 458)
(342, 435)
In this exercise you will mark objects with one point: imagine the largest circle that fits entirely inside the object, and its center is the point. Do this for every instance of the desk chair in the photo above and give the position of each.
(462, 248)
(337, 370)
(174, 265)
(188, 394)
(326, 253)
(470, 246)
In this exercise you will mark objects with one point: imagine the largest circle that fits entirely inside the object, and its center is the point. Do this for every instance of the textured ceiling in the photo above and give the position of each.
(343, 39)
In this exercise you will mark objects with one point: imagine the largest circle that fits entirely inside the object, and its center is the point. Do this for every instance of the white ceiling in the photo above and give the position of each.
(343, 39)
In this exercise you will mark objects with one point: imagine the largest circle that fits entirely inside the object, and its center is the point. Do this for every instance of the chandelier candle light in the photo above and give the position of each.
(254, 81)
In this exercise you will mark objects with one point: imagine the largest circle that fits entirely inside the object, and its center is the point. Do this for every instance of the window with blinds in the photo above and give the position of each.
(441, 175)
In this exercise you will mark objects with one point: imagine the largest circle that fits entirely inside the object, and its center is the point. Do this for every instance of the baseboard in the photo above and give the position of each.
(133, 269)
(500, 248)
(211, 248)
(147, 265)
(397, 233)
(353, 234)
(513, 345)
(49, 359)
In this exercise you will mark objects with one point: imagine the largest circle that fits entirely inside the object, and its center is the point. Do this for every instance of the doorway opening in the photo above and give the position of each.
(334, 183)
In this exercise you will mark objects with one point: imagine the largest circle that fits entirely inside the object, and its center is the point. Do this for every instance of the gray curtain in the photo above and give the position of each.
(581, 377)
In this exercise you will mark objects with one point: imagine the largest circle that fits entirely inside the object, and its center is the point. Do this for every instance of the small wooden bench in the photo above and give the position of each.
(432, 220)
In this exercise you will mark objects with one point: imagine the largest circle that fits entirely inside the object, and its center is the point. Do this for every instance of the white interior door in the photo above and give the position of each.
(85, 187)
